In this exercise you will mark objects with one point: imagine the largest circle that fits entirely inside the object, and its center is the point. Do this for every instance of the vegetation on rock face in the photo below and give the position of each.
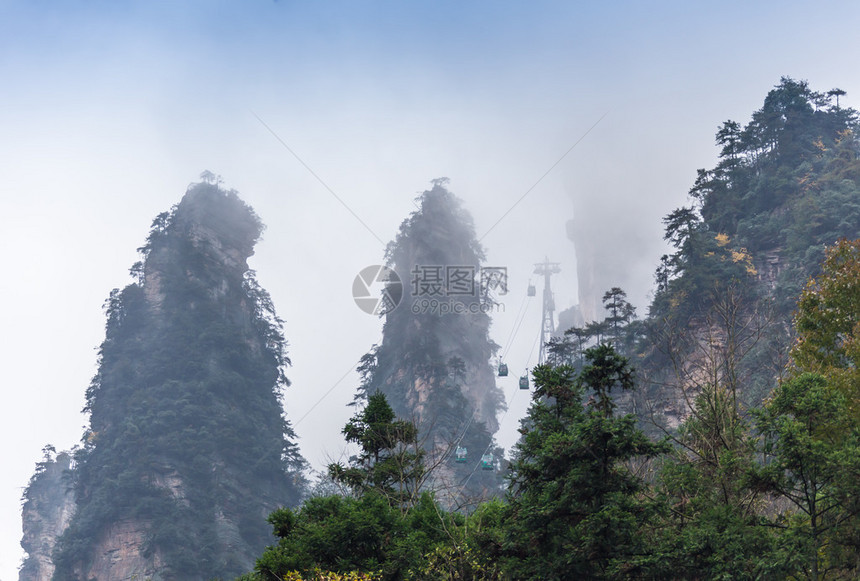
(787, 185)
(187, 437)
(47, 507)
(433, 363)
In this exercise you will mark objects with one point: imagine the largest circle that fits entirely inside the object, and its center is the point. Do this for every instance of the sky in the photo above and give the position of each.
(316, 113)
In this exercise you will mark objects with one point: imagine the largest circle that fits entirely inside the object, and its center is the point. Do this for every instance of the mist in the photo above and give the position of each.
(329, 121)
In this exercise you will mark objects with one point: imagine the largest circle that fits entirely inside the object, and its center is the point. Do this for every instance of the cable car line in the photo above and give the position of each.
(487, 463)
(481, 462)
(516, 326)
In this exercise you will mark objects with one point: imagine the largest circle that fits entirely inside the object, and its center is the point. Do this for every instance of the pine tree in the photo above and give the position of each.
(575, 510)
(390, 462)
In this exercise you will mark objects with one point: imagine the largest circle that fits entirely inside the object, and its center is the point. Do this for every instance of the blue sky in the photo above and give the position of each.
(109, 110)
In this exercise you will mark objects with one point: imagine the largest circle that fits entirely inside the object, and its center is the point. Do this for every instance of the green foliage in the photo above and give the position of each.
(709, 525)
(390, 462)
(364, 534)
(575, 509)
(828, 322)
(473, 548)
(812, 452)
(319, 575)
(336, 533)
(786, 182)
(386, 528)
(810, 430)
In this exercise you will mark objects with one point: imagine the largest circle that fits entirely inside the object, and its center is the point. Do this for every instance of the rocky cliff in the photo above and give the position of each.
(433, 363)
(48, 507)
(187, 449)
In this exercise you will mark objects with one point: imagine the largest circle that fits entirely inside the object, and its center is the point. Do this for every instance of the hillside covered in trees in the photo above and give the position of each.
(742, 459)
(786, 186)
(187, 448)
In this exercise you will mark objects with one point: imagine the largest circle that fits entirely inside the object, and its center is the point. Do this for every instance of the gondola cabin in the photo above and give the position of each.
(487, 462)
(532, 290)
(524, 382)
(503, 369)
(460, 456)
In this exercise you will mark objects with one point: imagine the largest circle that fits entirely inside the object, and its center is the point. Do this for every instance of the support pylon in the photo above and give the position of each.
(547, 269)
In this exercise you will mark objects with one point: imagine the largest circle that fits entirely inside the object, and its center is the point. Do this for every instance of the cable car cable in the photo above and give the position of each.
(462, 487)
(515, 327)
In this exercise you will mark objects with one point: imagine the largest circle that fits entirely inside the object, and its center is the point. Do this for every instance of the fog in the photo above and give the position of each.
(329, 120)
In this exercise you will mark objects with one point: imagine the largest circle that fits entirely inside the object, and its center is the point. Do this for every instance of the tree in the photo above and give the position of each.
(681, 227)
(836, 93)
(709, 527)
(390, 461)
(568, 349)
(363, 535)
(811, 423)
(729, 139)
(812, 451)
(621, 312)
(386, 528)
(575, 509)
(827, 321)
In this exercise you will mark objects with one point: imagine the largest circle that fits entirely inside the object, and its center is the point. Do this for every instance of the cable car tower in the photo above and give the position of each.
(547, 269)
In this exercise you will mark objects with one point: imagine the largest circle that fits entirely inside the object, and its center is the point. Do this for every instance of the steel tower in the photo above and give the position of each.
(547, 269)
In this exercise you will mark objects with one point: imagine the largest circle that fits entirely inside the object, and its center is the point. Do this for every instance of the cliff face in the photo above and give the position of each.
(589, 288)
(48, 507)
(187, 450)
(787, 185)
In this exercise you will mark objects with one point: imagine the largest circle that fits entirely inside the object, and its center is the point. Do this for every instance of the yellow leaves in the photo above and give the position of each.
(845, 136)
(743, 257)
(677, 299)
(452, 563)
(739, 256)
(319, 575)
